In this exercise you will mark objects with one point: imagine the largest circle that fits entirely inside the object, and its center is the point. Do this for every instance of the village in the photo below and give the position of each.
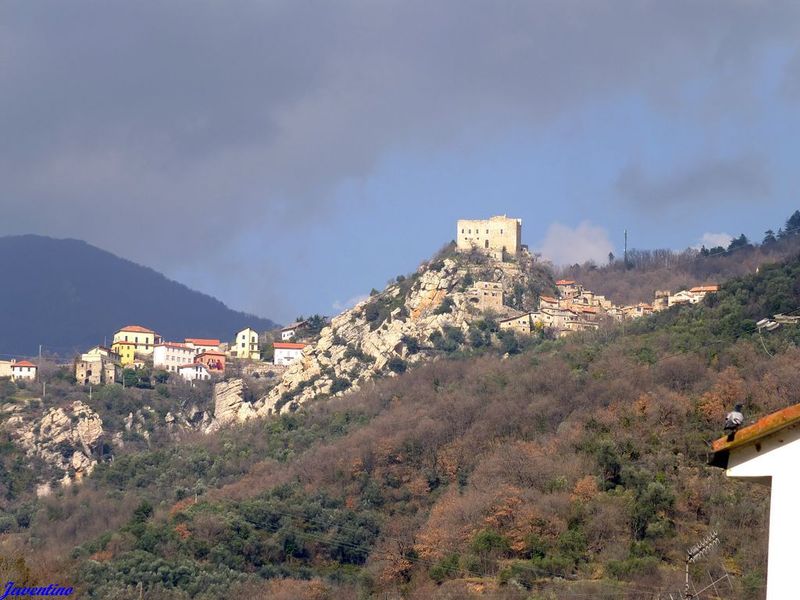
(572, 308)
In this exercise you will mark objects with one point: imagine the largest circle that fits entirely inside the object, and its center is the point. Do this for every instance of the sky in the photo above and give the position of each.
(287, 157)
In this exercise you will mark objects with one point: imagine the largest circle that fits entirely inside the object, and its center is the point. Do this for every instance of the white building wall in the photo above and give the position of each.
(774, 459)
(170, 358)
(286, 356)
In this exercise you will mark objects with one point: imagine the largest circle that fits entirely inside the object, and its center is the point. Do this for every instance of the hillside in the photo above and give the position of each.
(68, 295)
(650, 270)
(571, 469)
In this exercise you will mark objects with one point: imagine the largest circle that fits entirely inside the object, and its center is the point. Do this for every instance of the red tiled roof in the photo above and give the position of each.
(705, 288)
(137, 329)
(549, 299)
(288, 346)
(211, 353)
(589, 309)
(565, 282)
(202, 342)
(763, 427)
(23, 363)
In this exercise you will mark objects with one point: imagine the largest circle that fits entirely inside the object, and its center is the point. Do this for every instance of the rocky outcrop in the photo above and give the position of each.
(67, 438)
(230, 405)
(393, 329)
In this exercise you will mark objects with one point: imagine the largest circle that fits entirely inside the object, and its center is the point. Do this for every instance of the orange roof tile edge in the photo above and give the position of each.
(289, 345)
(202, 341)
(761, 428)
(137, 329)
(23, 363)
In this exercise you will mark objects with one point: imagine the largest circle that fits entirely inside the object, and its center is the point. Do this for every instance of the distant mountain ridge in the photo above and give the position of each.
(67, 295)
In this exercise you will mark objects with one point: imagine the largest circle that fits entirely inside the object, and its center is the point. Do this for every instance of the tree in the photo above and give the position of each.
(769, 237)
(793, 224)
(740, 242)
(611, 258)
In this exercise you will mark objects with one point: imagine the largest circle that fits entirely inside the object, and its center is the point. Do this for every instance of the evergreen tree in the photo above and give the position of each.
(769, 237)
(793, 224)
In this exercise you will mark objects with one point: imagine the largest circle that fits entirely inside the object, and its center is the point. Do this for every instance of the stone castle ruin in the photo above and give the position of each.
(498, 236)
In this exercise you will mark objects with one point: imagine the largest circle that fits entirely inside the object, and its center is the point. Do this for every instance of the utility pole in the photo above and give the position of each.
(626, 248)
(39, 364)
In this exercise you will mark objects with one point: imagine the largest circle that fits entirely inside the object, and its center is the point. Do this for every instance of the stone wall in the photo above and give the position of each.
(496, 234)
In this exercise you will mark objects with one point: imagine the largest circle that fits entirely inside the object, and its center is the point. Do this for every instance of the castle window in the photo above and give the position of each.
(501, 232)
(462, 231)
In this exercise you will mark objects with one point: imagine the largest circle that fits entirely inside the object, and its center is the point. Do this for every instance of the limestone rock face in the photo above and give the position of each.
(65, 438)
(395, 324)
(230, 405)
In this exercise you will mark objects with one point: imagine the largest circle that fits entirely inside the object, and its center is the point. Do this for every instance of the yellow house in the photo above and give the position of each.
(126, 351)
(144, 339)
(246, 345)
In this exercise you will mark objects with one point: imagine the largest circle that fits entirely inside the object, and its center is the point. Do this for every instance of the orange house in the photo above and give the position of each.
(213, 359)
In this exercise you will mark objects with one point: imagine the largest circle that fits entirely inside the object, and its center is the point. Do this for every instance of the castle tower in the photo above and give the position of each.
(497, 235)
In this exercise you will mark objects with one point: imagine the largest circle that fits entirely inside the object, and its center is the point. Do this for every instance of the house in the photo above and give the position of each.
(497, 236)
(144, 338)
(767, 452)
(699, 292)
(567, 288)
(97, 369)
(202, 344)
(126, 352)
(246, 345)
(23, 370)
(286, 353)
(213, 359)
(291, 331)
(519, 323)
(661, 300)
(635, 311)
(5, 368)
(194, 372)
(548, 302)
(486, 295)
(170, 355)
(100, 351)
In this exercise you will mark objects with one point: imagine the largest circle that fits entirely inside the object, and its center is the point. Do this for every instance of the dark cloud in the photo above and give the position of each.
(131, 123)
(736, 179)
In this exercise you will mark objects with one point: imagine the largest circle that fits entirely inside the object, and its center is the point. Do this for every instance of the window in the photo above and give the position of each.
(462, 231)
(487, 231)
(501, 232)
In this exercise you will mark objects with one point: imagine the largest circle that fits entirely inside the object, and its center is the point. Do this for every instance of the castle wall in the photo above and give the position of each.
(495, 234)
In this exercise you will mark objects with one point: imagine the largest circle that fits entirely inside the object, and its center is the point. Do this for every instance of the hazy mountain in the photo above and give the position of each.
(68, 295)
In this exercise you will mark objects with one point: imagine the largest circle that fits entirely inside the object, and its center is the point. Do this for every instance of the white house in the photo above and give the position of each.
(291, 331)
(170, 356)
(768, 452)
(194, 372)
(203, 344)
(287, 352)
(23, 369)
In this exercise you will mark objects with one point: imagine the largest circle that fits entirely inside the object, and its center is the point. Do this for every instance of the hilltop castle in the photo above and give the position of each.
(497, 236)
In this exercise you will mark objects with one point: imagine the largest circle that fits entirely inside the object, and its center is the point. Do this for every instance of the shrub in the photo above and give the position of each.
(397, 365)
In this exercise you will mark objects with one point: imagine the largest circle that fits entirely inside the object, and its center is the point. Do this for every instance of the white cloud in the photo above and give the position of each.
(340, 306)
(712, 240)
(564, 245)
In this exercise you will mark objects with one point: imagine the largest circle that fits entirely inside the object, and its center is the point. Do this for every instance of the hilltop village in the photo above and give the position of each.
(566, 309)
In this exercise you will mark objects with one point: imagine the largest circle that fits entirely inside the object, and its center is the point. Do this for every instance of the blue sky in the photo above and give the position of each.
(299, 158)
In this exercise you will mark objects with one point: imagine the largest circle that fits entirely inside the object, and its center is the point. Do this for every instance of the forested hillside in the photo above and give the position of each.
(635, 280)
(68, 295)
(572, 469)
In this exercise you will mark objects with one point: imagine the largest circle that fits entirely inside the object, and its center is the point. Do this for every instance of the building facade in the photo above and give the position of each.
(126, 352)
(287, 352)
(213, 359)
(23, 370)
(519, 323)
(498, 236)
(144, 339)
(202, 344)
(245, 345)
(97, 370)
(486, 295)
(194, 372)
(170, 356)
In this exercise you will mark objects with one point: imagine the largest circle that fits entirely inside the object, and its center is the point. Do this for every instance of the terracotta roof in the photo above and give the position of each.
(747, 435)
(212, 353)
(548, 299)
(137, 329)
(23, 363)
(705, 288)
(201, 342)
(565, 282)
(175, 345)
(589, 309)
(288, 346)
(294, 325)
